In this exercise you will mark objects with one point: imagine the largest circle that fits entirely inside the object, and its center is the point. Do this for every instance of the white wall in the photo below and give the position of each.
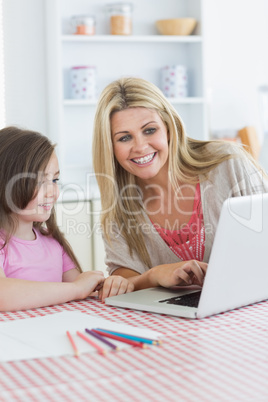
(25, 85)
(236, 61)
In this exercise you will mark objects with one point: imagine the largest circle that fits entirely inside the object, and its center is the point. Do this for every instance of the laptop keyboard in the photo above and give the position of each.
(189, 300)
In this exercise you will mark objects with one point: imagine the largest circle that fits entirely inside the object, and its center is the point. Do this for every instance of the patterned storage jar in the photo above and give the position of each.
(174, 81)
(83, 82)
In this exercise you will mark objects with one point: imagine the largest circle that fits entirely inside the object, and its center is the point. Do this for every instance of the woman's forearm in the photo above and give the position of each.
(166, 275)
(140, 281)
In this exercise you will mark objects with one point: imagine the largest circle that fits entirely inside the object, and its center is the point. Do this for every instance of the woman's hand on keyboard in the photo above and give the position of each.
(183, 273)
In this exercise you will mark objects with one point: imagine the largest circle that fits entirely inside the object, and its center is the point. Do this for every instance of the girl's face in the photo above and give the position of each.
(140, 142)
(39, 208)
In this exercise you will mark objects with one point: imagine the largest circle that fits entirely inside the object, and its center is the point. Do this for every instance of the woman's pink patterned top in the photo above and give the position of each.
(188, 243)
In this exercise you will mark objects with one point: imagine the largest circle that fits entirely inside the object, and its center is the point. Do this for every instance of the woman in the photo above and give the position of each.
(161, 191)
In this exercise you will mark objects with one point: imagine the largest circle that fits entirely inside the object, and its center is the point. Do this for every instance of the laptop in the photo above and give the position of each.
(237, 273)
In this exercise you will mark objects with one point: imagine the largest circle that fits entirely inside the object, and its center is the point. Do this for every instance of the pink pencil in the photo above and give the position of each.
(87, 339)
(76, 351)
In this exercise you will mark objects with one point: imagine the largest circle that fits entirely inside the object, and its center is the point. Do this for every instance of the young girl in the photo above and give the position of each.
(37, 266)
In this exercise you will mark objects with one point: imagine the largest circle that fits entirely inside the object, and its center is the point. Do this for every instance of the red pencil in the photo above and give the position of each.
(76, 351)
(88, 340)
(119, 338)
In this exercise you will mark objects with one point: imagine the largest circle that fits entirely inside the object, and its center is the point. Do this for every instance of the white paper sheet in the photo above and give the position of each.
(39, 337)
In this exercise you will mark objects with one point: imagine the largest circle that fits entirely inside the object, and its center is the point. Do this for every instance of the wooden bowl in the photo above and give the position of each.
(176, 26)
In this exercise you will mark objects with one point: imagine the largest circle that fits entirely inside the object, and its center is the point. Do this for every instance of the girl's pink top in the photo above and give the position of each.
(188, 243)
(42, 259)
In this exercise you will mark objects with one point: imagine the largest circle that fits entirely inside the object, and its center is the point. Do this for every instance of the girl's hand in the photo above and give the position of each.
(115, 285)
(87, 283)
(179, 274)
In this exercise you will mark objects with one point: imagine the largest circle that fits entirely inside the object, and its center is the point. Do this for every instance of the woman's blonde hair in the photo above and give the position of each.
(120, 197)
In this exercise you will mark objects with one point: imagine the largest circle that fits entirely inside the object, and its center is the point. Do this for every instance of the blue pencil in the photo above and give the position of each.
(132, 337)
(112, 345)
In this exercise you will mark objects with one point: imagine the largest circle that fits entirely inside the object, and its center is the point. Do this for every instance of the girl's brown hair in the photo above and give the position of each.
(24, 154)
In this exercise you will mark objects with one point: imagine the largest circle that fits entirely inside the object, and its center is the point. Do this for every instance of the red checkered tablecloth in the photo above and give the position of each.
(221, 358)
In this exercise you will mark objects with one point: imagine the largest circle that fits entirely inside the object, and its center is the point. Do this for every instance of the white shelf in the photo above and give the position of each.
(86, 102)
(132, 38)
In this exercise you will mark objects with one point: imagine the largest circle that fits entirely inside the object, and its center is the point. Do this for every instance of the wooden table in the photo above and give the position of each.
(221, 358)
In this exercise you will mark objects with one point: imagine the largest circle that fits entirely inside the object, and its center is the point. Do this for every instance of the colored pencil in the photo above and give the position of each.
(102, 339)
(118, 338)
(76, 351)
(95, 345)
(133, 337)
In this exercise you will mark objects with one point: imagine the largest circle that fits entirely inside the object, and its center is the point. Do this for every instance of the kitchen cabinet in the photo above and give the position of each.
(79, 221)
(97, 242)
(74, 220)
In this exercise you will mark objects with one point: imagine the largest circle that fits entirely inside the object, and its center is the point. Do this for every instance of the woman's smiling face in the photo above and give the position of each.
(140, 141)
